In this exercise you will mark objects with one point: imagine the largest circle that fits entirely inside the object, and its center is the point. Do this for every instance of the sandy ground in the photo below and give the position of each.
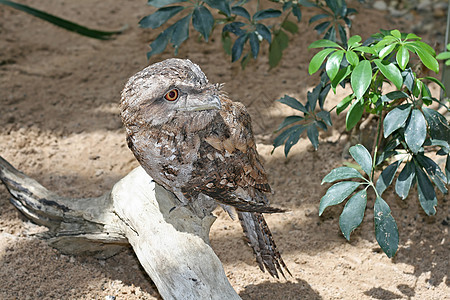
(59, 124)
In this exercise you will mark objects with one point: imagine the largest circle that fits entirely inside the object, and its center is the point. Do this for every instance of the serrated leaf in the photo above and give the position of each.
(341, 173)
(290, 120)
(362, 157)
(240, 11)
(292, 102)
(402, 57)
(313, 135)
(433, 171)
(353, 213)
(333, 63)
(415, 131)
(386, 230)
(396, 119)
(159, 17)
(354, 114)
(405, 180)
(391, 72)
(203, 21)
(323, 44)
(386, 177)
(438, 126)
(425, 190)
(337, 193)
(238, 47)
(266, 14)
(162, 3)
(361, 78)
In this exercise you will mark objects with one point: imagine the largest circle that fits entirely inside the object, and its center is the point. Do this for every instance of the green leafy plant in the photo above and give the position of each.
(248, 30)
(68, 25)
(409, 128)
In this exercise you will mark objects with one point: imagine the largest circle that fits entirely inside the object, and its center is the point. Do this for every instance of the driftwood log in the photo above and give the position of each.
(171, 241)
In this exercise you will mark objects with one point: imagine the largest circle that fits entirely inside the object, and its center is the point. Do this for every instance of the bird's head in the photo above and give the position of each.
(165, 91)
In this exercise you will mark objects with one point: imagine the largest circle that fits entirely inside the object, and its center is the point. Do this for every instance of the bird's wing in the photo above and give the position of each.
(231, 171)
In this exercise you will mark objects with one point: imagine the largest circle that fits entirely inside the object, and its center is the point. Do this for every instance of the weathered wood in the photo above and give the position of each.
(170, 240)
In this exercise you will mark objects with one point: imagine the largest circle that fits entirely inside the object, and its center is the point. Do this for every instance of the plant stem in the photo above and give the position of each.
(377, 142)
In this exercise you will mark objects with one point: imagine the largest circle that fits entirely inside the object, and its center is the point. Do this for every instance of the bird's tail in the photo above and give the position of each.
(260, 239)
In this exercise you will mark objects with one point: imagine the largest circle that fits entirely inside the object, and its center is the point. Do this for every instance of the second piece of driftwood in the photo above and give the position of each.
(171, 241)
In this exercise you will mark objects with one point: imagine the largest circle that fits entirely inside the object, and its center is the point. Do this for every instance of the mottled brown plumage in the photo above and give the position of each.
(198, 144)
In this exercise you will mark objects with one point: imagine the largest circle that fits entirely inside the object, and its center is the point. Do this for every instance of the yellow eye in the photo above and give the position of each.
(171, 95)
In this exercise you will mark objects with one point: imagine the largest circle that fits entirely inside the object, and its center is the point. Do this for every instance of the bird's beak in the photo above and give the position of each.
(198, 104)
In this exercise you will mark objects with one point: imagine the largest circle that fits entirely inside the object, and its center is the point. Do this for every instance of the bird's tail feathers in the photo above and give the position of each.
(260, 239)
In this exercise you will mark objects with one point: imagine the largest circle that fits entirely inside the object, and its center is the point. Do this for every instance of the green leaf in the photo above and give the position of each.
(352, 58)
(240, 11)
(353, 213)
(354, 114)
(354, 41)
(386, 177)
(221, 5)
(159, 17)
(391, 72)
(160, 43)
(266, 14)
(425, 190)
(393, 96)
(238, 47)
(318, 59)
(203, 21)
(361, 78)
(333, 63)
(290, 26)
(438, 126)
(322, 27)
(402, 57)
(386, 50)
(318, 17)
(337, 193)
(396, 119)
(292, 102)
(341, 75)
(344, 103)
(290, 120)
(362, 157)
(254, 44)
(162, 3)
(226, 43)
(427, 59)
(405, 180)
(325, 116)
(396, 33)
(180, 31)
(447, 169)
(279, 140)
(386, 230)
(323, 44)
(437, 81)
(433, 170)
(443, 55)
(68, 25)
(293, 138)
(425, 47)
(313, 135)
(415, 131)
(341, 173)
(264, 32)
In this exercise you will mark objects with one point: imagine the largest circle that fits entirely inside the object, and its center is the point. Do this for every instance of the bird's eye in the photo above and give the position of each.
(171, 95)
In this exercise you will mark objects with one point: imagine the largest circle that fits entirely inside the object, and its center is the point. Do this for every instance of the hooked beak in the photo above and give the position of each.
(203, 103)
